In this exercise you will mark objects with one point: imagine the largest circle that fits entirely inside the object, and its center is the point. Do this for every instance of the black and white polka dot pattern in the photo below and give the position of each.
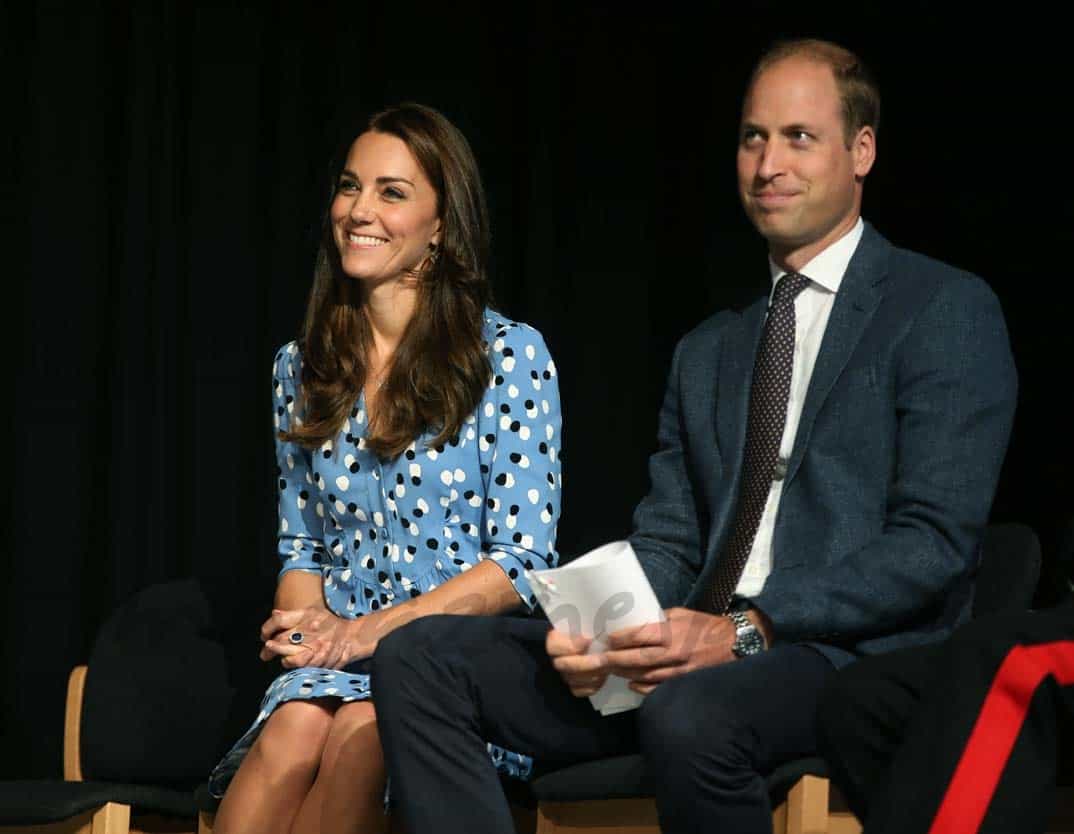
(381, 532)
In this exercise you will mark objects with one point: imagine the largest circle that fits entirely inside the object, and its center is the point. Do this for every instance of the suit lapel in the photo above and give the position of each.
(731, 403)
(736, 376)
(852, 310)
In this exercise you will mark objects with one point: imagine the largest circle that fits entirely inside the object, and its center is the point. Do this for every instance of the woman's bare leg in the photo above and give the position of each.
(272, 782)
(348, 794)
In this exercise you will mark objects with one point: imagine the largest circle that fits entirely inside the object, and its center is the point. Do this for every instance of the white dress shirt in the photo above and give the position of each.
(811, 310)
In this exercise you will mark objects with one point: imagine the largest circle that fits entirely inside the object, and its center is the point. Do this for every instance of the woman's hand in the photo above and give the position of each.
(328, 641)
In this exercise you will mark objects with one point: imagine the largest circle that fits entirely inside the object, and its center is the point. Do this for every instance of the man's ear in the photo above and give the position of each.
(864, 150)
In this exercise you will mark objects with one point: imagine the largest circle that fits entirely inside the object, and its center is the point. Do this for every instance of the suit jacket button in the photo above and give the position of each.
(780, 472)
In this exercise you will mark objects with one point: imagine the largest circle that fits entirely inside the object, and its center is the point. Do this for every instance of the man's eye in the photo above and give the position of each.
(750, 137)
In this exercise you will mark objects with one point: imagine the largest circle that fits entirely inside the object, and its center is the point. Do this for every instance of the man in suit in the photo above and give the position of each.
(826, 462)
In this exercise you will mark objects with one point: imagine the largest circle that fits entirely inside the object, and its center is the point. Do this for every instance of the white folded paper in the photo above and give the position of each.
(594, 595)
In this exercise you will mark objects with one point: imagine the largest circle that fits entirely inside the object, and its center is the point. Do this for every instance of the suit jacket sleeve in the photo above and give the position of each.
(954, 390)
(666, 535)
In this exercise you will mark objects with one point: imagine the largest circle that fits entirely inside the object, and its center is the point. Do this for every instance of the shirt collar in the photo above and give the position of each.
(827, 267)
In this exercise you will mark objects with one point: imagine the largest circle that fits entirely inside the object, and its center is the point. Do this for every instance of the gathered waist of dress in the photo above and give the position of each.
(351, 594)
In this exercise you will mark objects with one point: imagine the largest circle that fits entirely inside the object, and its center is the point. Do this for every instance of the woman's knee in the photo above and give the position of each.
(294, 736)
(353, 743)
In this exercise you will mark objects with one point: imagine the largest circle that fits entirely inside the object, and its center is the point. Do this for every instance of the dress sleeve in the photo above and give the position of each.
(519, 424)
(300, 543)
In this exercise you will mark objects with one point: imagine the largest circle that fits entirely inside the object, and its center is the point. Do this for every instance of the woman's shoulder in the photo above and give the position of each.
(288, 362)
(510, 337)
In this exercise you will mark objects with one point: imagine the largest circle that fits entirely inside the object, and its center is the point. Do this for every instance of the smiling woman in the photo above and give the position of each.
(384, 215)
(418, 458)
(406, 237)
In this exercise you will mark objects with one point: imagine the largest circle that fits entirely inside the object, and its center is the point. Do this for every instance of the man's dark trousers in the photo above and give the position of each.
(707, 737)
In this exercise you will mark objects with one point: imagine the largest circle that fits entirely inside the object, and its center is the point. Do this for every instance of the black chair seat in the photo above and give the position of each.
(786, 776)
(623, 777)
(204, 800)
(616, 777)
(41, 801)
(1009, 570)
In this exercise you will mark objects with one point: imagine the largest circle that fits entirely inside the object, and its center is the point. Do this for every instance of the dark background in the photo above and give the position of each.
(166, 166)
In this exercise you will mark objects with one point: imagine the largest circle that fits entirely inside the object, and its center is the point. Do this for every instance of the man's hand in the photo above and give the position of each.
(650, 654)
(584, 674)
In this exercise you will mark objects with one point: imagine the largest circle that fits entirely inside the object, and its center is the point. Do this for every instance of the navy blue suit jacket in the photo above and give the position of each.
(899, 447)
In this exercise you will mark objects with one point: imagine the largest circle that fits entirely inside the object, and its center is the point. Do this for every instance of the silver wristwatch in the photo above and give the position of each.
(748, 639)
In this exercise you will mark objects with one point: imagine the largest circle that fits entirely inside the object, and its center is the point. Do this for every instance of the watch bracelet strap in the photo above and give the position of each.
(740, 621)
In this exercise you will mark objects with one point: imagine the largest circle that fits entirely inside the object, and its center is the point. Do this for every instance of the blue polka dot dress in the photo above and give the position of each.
(381, 532)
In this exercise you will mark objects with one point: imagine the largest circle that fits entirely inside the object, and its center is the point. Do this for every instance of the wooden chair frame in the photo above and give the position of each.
(810, 807)
(805, 811)
(109, 818)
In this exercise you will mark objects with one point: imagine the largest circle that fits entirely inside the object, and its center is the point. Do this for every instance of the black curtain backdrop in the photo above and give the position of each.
(166, 167)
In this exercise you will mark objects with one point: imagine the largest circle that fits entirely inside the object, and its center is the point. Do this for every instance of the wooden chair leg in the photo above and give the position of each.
(779, 818)
(72, 725)
(546, 822)
(841, 819)
(112, 818)
(843, 822)
(807, 806)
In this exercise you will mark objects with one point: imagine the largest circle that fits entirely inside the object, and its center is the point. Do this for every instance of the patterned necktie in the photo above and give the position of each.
(764, 432)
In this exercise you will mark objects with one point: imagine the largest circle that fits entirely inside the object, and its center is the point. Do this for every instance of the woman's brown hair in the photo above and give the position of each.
(440, 369)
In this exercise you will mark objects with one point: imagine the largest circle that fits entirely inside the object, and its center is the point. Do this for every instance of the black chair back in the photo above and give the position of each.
(1008, 571)
(157, 691)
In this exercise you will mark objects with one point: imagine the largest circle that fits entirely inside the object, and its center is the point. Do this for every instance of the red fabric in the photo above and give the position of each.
(996, 730)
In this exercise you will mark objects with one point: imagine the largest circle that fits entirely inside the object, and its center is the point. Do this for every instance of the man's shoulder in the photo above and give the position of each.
(710, 330)
(937, 291)
(921, 274)
(925, 294)
(927, 268)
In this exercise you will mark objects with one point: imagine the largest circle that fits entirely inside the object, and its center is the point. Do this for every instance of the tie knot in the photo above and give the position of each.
(788, 287)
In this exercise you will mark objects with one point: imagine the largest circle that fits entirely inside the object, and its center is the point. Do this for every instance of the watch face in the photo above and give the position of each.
(748, 641)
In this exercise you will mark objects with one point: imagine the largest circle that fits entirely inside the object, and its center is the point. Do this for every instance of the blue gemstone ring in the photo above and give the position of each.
(296, 637)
